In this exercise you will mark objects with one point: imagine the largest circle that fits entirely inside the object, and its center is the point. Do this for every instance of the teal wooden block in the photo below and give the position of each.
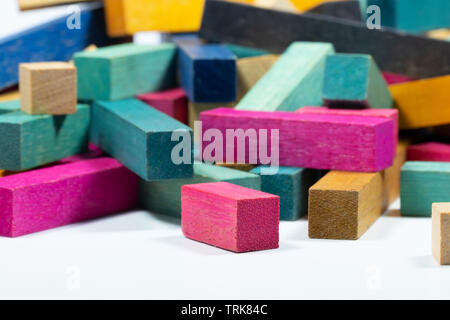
(245, 52)
(292, 185)
(9, 106)
(165, 196)
(140, 137)
(126, 70)
(423, 183)
(354, 81)
(294, 81)
(29, 141)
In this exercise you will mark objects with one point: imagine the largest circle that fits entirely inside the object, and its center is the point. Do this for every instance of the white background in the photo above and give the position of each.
(143, 255)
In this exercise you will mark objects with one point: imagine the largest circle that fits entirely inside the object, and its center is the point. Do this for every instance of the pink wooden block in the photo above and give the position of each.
(46, 198)
(380, 113)
(393, 78)
(230, 216)
(94, 152)
(172, 102)
(333, 142)
(430, 151)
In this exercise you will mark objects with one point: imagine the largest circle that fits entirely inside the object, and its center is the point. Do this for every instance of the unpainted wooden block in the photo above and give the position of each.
(429, 151)
(441, 232)
(230, 217)
(391, 175)
(10, 95)
(172, 102)
(440, 34)
(196, 108)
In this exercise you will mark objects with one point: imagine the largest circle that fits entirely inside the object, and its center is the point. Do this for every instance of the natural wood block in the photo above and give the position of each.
(391, 175)
(230, 217)
(36, 4)
(440, 34)
(422, 103)
(196, 108)
(48, 88)
(140, 137)
(441, 233)
(237, 166)
(123, 71)
(47, 198)
(429, 151)
(8, 96)
(172, 102)
(295, 80)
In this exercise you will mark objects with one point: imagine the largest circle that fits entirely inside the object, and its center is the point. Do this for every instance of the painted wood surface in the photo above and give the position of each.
(429, 151)
(36, 4)
(393, 78)
(230, 217)
(441, 232)
(348, 10)
(295, 80)
(9, 106)
(47, 198)
(139, 137)
(245, 52)
(172, 102)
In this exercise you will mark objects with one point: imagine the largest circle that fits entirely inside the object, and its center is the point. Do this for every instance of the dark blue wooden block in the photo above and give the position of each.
(208, 73)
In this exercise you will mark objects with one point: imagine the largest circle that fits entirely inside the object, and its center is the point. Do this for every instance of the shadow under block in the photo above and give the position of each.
(441, 233)
(354, 81)
(51, 41)
(30, 141)
(230, 217)
(332, 142)
(295, 80)
(47, 198)
(196, 108)
(126, 17)
(393, 51)
(429, 151)
(422, 103)
(291, 185)
(245, 52)
(208, 73)
(48, 88)
(125, 70)
(165, 196)
(172, 102)
(139, 137)
(349, 10)
(423, 183)
(36, 4)
(237, 166)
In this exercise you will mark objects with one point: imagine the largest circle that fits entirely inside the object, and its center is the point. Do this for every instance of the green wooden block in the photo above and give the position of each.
(9, 106)
(126, 70)
(140, 137)
(354, 81)
(245, 52)
(423, 183)
(165, 196)
(29, 141)
(294, 81)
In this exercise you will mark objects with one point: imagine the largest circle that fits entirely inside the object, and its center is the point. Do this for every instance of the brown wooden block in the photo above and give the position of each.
(194, 109)
(391, 176)
(441, 232)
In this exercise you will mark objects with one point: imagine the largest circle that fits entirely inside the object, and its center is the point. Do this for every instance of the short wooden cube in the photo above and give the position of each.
(441, 232)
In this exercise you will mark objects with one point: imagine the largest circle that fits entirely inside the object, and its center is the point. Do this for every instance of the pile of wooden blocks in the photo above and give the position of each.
(355, 118)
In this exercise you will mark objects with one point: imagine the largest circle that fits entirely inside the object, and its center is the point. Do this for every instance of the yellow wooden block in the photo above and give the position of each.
(423, 103)
(35, 4)
(303, 5)
(282, 5)
(441, 34)
(441, 232)
(8, 96)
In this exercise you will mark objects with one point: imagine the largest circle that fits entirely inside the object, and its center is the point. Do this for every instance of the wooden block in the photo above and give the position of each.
(422, 103)
(126, 17)
(441, 233)
(230, 217)
(172, 102)
(291, 184)
(251, 70)
(295, 80)
(440, 34)
(10, 95)
(336, 142)
(36, 4)
(237, 166)
(245, 52)
(139, 137)
(165, 196)
(9, 106)
(392, 78)
(303, 5)
(208, 73)
(348, 10)
(52, 41)
(283, 5)
(429, 151)
(391, 176)
(47, 198)
(393, 51)
(125, 70)
(423, 183)
(354, 81)
(33, 141)
(48, 88)
(196, 108)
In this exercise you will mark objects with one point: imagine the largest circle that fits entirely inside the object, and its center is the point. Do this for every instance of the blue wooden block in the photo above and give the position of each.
(52, 41)
(208, 73)
(9, 106)
(292, 185)
(423, 183)
(140, 137)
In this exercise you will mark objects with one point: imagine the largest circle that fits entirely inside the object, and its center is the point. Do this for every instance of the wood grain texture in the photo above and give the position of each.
(441, 232)
(31, 141)
(295, 80)
(36, 4)
(429, 151)
(165, 196)
(172, 102)
(230, 217)
(336, 142)
(422, 103)
(139, 137)
(393, 51)
(48, 88)
(65, 194)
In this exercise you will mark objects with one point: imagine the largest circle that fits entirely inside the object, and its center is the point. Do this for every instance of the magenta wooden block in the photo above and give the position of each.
(393, 78)
(430, 151)
(379, 113)
(94, 152)
(316, 141)
(46, 198)
(172, 102)
(230, 217)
